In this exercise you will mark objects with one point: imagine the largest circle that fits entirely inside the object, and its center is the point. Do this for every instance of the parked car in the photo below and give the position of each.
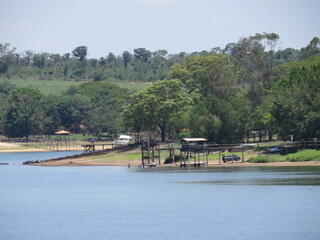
(122, 140)
(230, 157)
(274, 150)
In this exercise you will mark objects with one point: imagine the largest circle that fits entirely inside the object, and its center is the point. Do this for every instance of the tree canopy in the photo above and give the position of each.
(159, 104)
(246, 89)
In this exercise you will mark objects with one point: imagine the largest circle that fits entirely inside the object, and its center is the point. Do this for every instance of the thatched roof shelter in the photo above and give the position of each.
(62, 132)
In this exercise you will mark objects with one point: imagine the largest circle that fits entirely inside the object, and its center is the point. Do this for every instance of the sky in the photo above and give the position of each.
(103, 26)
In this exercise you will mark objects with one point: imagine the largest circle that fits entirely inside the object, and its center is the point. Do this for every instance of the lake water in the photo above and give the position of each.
(94, 203)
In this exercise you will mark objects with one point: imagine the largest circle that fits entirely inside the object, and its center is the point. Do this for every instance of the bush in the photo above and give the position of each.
(266, 158)
(184, 135)
(169, 160)
(305, 155)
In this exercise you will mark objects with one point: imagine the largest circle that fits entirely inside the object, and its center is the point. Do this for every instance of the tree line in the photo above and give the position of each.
(141, 65)
(246, 90)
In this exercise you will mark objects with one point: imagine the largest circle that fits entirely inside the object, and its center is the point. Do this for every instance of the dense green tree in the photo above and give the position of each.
(221, 111)
(296, 101)
(212, 74)
(97, 105)
(5, 89)
(72, 110)
(25, 114)
(142, 54)
(80, 53)
(312, 49)
(159, 104)
(126, 58)
(6, 57)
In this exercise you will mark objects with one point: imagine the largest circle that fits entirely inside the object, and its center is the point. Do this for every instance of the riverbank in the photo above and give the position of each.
(212, 163)
(133, 159)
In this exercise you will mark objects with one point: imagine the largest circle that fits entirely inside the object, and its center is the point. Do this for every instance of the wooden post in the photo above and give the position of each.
(207, 157)
(242, 155)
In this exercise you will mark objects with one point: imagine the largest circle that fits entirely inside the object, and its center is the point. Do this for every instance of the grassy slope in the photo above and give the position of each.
(57, 88)
(301, 156)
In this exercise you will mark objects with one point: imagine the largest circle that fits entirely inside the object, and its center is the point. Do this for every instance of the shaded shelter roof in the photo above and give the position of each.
(193, 140)
(62, 132)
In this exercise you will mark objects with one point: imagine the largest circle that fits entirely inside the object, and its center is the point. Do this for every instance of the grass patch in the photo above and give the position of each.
(303, 156)
(125, 156)
(46, 87)
(58, 87)
(267, 158)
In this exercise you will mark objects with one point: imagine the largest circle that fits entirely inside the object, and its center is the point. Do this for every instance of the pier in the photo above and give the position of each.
(92, 147)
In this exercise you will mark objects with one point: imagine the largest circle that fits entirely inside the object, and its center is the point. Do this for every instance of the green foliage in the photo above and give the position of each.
(157, 105)
(266, 158)
(80, 53)
(209, 75)
(221, 95)
(305, 155)
(301, 156)
(221, 110)
(96, 105)
(26, 114)
(296, 101)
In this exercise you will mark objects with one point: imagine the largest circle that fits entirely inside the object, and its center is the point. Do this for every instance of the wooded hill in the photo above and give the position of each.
(247, 89)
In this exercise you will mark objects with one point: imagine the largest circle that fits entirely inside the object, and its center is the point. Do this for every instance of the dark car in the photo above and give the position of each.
(230, 157)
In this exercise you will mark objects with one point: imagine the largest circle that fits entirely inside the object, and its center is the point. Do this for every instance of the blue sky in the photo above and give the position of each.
(105, 26)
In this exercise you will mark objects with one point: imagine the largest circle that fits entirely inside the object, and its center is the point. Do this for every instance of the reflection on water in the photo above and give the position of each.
(299, 176)
(262, 181)
(80, 203)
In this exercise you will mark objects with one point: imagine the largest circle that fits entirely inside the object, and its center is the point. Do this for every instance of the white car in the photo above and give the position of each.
(123, 139)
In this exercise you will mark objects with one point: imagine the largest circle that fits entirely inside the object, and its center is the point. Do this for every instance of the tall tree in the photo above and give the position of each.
(80, 53)
(212, 74)
(142, 54)
(6, 57)
(312, 49)
(296, 101)
(159, 104)
(126, 58)
(25, 114)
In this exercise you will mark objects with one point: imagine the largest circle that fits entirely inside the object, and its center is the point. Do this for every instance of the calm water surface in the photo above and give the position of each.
(119, 203)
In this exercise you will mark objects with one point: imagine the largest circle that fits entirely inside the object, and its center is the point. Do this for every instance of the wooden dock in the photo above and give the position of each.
(92, 147)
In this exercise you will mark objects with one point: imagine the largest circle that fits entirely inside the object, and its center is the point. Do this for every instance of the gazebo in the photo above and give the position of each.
(63, 140)
(194, 148)
(62, 132)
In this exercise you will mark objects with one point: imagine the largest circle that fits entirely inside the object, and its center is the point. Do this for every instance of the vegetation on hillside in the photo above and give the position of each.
(246, 90)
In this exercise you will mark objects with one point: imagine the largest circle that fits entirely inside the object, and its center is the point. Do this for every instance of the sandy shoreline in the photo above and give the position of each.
(16, 148)
(136, 163)
(23, 150)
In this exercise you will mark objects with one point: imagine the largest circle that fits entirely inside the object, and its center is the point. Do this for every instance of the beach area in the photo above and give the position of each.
(6, 147)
